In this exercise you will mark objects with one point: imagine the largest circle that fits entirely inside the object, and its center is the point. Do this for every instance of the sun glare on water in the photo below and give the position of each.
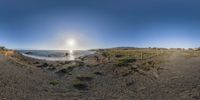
(71, 43)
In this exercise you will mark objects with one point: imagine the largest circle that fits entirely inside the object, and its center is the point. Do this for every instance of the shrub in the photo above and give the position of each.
(147, 65)
(85, 77)
(98, 73)
(79, 85)
(106, 54)
(66, 70)
(54, 82)
(44, 65)
(118, 55)
(126, 61)
(126, 73)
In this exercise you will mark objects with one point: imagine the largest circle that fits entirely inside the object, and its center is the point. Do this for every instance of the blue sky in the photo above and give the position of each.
(48, 24)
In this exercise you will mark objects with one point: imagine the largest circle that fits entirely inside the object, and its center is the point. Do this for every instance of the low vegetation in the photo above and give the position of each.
(85, 77)
(65, 71)
(77, 84)
(54, 82)
(147, 65)
(126, 62)
(98, 73)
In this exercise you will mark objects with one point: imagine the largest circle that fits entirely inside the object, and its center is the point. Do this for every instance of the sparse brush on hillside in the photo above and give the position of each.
(126, 62)
(137, 54)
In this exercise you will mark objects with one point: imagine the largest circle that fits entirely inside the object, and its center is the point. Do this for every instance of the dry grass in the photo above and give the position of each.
(147, 53)
(137, 54)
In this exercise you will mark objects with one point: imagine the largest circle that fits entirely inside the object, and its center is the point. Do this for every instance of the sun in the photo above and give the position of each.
(71, 42)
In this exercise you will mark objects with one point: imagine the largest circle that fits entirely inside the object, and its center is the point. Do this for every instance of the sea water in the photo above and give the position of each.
(55, 55)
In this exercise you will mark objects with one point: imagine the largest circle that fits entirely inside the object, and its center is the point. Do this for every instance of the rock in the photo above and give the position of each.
(80, 86)
(82, 58)
(67, 62)
(51, 68)
(54, 82)
(134, 66)
(36, 62)
(118, 56)
(98, 73)
(84, 78)
(155, 74)
(29, 53)
(43, 65)
(66, 54)
(65, 71)
(79, 63)
(129, 83)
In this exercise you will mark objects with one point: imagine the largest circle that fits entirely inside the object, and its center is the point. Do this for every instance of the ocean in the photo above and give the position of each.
(55, 55)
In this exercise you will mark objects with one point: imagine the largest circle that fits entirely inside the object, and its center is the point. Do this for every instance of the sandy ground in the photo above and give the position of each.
(171, 78)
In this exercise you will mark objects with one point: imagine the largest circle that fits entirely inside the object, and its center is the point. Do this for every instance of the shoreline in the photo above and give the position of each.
(56, 55)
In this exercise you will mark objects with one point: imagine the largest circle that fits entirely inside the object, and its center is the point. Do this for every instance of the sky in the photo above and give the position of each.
(50, 24)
